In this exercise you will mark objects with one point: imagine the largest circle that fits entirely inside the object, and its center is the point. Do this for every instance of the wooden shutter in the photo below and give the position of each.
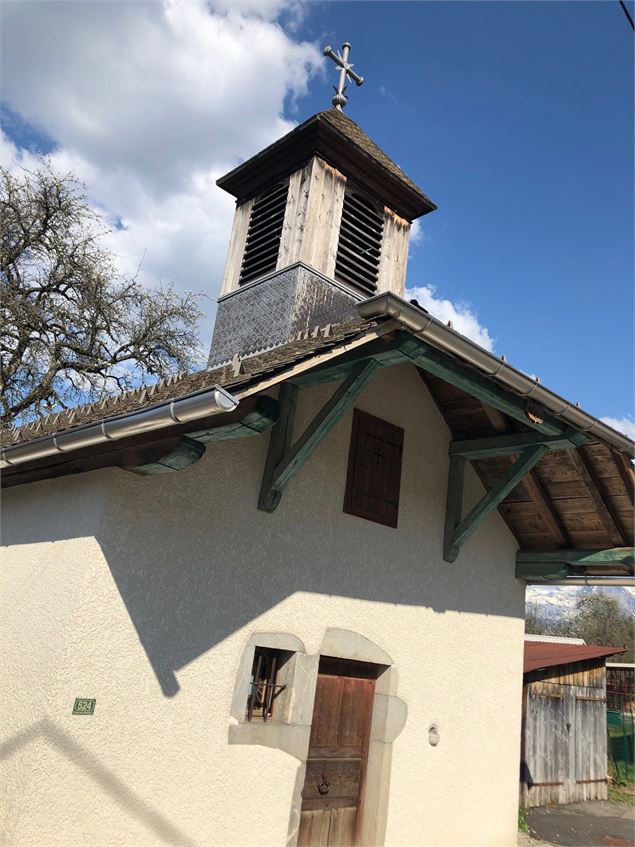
(374, 469)
(263, 236)
(359, 246)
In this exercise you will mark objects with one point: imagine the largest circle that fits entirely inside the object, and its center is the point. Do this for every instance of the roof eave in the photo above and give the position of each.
(318, 137)
(187, 409)
(423, 325)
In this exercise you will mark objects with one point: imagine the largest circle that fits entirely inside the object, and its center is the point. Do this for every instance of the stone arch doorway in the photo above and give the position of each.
(363, 707)
(333, 792)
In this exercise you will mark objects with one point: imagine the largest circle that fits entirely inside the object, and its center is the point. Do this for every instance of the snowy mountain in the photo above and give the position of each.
(553, 601)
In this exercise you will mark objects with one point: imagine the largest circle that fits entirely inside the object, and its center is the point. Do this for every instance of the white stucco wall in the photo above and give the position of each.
(143, 591)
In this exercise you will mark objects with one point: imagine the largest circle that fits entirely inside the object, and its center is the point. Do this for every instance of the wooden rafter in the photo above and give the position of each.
(496, 418)
(479, 386)
(284, 460)
(534, 487)
(604, 510)
(548, 512)
(458, 529)
(625, 470)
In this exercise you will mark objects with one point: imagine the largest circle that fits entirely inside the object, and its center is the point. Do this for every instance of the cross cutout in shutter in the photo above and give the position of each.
(374, 469)
(378, 455)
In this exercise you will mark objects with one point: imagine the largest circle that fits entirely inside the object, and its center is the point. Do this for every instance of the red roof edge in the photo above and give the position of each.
(542, 654)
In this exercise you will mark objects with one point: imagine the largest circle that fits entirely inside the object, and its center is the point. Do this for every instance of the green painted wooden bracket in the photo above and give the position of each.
(458, 530)
(381, 351)
(557, 564)
(544, 571)
(439, 364)
(192, 446)
(279, 442)
(187, 452)
(283, 460)
(609, 556)
(262, 418)
(508, 445)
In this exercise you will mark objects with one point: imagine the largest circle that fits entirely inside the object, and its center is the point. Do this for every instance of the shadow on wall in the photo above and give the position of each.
(109, 782)
(194, 560)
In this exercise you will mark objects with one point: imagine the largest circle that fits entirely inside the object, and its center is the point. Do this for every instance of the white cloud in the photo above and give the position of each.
(386, 92)
(416, 232)
(149, 103)
(462, 315)
(625, 425)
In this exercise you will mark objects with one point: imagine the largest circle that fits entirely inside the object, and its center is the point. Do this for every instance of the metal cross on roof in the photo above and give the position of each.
(346, 69)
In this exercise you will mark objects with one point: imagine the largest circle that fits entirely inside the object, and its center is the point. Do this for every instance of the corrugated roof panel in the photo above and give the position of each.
(541, 654)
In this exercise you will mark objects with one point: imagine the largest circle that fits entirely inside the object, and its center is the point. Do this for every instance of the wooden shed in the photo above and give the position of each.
(564, 746)
(620, 685)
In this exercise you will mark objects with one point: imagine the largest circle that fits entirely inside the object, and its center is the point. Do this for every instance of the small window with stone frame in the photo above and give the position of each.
(265, 684)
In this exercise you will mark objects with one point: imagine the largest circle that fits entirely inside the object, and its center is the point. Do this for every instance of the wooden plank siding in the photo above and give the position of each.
(564, 746)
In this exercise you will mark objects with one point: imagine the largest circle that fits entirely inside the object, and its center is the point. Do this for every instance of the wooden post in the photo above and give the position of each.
(279, 441)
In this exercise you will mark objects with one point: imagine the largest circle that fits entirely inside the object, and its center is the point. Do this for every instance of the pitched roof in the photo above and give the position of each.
(540, 654)
(335, 137)
(353, 132)
(172, 388)
(574, 499)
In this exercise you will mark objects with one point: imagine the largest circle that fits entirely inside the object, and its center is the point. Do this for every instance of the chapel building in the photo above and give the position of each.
(280, 602)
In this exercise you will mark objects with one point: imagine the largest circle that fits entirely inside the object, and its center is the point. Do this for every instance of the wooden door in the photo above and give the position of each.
(338, 751)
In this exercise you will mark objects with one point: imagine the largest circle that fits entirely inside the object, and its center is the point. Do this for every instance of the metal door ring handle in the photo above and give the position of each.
(324, 786)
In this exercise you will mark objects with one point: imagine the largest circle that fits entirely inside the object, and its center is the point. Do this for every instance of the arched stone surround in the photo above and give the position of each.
(292, 731)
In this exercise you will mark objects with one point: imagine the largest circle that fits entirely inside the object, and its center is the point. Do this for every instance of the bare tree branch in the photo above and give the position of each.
(73, 330)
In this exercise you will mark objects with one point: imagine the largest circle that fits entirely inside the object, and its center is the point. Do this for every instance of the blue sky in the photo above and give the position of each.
(515, 118)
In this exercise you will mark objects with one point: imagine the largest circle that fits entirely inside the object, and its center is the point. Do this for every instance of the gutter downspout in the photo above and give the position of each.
(204, 403)
(429, 328)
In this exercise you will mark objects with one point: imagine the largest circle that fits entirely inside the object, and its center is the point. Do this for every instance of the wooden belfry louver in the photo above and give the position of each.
(263, 236)
(359, 246)
(322, 221)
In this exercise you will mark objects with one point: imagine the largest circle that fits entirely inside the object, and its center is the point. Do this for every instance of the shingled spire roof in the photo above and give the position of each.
(337, 139)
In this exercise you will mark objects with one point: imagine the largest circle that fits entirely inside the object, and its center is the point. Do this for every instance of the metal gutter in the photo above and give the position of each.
(193, 407)
(444, 338)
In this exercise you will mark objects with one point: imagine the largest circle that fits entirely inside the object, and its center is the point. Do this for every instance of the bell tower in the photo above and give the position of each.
(322, 221)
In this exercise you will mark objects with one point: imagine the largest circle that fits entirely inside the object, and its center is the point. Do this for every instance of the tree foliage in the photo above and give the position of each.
(73, 329)
(597, 618)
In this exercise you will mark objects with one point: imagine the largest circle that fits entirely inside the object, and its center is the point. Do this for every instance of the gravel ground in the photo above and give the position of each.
(598, 823)
(527, 841)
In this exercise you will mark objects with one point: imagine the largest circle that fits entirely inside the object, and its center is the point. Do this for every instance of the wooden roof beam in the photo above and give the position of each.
(513, 443)
(548, 512)
(605, 512)
(625, 470)
(283, 459)
(458, 529)
(534, 487)
(479, 386)
(193, 445)
(558, 564)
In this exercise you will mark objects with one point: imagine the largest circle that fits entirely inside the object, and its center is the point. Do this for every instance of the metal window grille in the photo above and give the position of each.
(263, 236)
(263, 688)
(359, 246)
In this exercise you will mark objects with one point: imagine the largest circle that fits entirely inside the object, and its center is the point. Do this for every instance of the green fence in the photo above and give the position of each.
(621, 752)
